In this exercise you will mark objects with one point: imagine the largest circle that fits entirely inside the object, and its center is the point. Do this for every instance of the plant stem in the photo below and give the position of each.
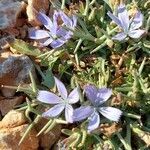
(63, 4)
(86, 8)
(132, 116)
(125, 144)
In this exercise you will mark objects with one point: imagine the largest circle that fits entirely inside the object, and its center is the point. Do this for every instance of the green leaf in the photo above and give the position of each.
(48, 79)
(24, 48)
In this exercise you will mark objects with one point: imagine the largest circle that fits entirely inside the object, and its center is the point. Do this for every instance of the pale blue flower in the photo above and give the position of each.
(55, 35)
(97, 98)
(61, 103)
(130, 27)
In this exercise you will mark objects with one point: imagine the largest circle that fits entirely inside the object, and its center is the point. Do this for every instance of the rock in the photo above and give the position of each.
(47, 140)
(4, 41)
(13, 119)
(9, 11)
(9, 139)
(12, 128)
(8, 104)
(34, 6)
(14, 70)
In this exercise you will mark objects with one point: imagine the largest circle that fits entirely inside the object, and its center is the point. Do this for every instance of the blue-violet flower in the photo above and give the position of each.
(56, 34)
(61, 103)
(97, 97)
(130, 26)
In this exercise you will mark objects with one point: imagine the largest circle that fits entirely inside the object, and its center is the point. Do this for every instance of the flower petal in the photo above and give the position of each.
(38, 34)
(48, 97)
(91, 93)
(136, 33)
(74, 21)
(67, 21)
(97, 96)
(47, 42)
(55, 25)
(111, 113)
(115, 19)
(45, 20)
(120, 36)
(69, 113)
(103, 95)
(54, 111)
(61, 88)
(68, 35)
(123, 17)
(64, 34)
(137, 21)
(94, 121)
(73, 96)
(57, 43)
(82, 113)
(61, 32)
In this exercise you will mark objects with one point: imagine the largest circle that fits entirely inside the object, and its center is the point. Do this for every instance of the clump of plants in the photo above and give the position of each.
(93, 67)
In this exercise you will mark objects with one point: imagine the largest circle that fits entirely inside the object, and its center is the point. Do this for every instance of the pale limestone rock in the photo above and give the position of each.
(8, 104)
(12, 128)
(10, 137)
(9, 11)
(13, 119)
(14, 70)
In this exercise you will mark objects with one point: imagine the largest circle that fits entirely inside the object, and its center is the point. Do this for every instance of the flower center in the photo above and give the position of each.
(65, 101)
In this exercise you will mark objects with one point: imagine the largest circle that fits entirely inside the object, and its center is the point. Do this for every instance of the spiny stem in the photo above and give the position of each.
(25, 107)
(34, 88)
(132, 116)
(83, 25)
(85, 36)
(13, 87)
(86, 8)
(51, 126)
(134, 47)
(73, 61)
(128, 136)
(92, 2)
(80, 93)
(92, 14)
(76, 141)
(45, 127)
(104, 36)
(123, 89)
(60, 121)
(27, 114)
(78, 45)
(142, 66)
(98, 48)
(77, 60)
(84, 135)
(103, 13)
(148, 23)
(36, 120)
(46, 53)
(125, 144)
(66, 131)
(63, 4)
